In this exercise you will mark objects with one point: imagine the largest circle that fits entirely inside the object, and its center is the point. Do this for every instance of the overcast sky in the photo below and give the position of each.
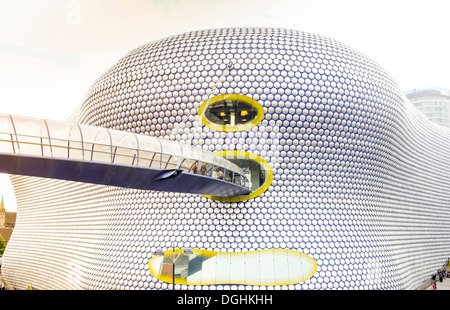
(51, 51)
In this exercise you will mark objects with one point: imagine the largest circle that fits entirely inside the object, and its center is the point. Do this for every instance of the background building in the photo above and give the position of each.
(434, 103)
(355, 177)
(7, 222)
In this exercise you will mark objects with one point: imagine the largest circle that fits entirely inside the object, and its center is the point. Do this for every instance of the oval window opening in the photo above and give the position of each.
(258, 174)
(231, 112)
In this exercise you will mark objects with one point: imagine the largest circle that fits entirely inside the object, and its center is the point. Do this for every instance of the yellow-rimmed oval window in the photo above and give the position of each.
(258, 174)
(231, 112)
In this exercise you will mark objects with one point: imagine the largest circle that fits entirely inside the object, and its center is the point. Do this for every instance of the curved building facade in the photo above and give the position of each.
(346, 175)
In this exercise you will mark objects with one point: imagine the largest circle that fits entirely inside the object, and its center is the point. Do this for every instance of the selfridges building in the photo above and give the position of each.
(349, 183)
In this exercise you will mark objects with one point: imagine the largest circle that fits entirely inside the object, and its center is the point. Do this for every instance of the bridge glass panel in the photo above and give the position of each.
(96, 144)
(8, 142)
(65, 140)
(125, 148)
(206, 168)
(146, 158)
(170, 161)
(190, 166)
(190, 159)
(149, 151)
(32, 136)
(172, 153)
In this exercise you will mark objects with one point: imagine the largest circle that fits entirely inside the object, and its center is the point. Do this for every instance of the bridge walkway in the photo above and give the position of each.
(74, 152)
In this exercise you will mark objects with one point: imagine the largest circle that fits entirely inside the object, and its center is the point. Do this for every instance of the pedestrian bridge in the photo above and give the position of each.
(74, 152)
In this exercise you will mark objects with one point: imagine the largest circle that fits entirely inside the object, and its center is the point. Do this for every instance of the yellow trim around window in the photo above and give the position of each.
(238, 127)
(261, 267)
(242, 154)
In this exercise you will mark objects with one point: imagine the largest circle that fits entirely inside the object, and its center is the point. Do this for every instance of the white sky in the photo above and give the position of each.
(51, 51)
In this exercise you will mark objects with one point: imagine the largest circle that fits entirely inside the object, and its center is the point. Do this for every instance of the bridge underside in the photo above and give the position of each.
(171, 180)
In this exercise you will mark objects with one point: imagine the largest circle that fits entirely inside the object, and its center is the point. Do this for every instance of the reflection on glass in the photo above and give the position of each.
(262, 267)
(181, 267)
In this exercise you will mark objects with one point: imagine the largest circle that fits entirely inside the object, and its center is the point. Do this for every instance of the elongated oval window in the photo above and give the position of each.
(258, 174)
(231, 112)
(260, 267)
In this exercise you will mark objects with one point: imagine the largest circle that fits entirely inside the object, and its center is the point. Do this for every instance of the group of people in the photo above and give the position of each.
(202, 170)
(441, 274)
(217, 173)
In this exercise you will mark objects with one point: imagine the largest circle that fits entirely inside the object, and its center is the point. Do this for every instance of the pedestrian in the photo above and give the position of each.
(218, 174)
(194, 168)
(203, 169)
